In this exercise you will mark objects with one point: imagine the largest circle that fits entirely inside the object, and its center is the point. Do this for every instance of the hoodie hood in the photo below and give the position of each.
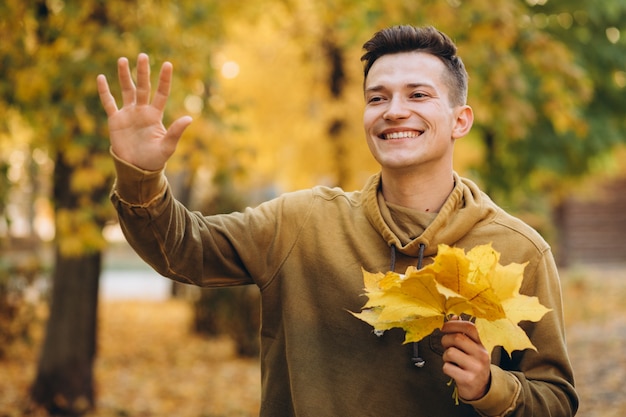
(465, 207)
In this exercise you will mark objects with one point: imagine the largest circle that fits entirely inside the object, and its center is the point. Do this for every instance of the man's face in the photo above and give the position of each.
(409, 121)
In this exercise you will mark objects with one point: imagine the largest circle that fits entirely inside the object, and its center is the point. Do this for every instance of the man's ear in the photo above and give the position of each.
(464, 121)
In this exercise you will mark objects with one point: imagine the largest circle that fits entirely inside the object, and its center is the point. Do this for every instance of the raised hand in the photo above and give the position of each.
(136, 131)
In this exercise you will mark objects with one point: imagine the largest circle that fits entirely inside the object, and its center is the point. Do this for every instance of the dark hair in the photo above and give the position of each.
(427, 39)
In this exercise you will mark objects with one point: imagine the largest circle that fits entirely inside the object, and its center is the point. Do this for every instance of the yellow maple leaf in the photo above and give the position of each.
(468, 276)
(456, 283)
(410, 301)
(506, 332)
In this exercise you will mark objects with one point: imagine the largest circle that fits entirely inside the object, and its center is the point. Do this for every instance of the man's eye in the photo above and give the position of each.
(418, 95)
(374, 99)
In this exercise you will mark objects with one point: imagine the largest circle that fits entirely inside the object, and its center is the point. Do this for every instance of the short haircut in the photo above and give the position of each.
(406, 38)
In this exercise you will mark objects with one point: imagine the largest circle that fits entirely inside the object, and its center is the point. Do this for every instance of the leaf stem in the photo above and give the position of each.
(455, 392)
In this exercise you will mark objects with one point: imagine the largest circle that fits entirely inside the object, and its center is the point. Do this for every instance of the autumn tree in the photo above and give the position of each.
(594, 34)
(55, 51)
(568, 95)
(546, 84)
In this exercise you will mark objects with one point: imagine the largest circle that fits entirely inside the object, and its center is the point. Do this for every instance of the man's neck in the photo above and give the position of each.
(426, 193)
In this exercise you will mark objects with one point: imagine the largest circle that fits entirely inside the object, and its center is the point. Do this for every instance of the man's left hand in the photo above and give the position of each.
(465, 359)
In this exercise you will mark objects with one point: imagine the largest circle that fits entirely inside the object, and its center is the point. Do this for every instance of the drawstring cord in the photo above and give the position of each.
(392, 266)
(420, 256)
(416, 358)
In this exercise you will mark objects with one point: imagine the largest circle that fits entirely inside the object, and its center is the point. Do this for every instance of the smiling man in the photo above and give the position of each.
(305, 250)
(412, 119)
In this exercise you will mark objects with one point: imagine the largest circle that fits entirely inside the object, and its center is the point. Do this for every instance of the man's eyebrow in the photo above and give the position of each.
(416, 85)
(376, 88)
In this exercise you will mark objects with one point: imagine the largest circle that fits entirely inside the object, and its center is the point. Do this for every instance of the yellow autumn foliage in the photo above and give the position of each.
(77, 234)
(471, 284)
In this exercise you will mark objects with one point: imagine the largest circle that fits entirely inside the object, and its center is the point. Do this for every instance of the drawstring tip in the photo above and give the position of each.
(416, 358)
(419, 362)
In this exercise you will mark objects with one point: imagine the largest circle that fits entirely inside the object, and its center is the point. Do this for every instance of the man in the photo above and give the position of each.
(305, 250)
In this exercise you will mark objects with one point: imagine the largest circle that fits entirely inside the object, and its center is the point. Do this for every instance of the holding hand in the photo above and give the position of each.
(465, 359)
(136, 131)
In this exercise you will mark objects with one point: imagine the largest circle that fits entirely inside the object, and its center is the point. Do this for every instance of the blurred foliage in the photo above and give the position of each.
(49, 58)
(50, 55)
(19, 297)
(547, 85)
(234, 312)
(577, 92)
(275, 89)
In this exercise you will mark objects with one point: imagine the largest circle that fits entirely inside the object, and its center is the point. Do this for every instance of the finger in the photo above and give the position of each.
(163, 88)
(453, 356)
(126, 82)
(472, 333)
(465, 327)
(143, 79)
(106, 98)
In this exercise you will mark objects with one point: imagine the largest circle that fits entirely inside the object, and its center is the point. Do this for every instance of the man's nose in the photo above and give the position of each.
(397, 109)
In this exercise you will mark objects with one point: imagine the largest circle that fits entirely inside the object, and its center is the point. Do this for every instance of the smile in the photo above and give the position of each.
(401, 135)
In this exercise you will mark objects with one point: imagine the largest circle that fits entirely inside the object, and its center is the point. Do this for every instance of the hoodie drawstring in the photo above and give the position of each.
(415, 359)
(392, 266)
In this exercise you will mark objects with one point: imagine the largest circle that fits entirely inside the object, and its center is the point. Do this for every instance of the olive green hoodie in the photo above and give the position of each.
(305, 251)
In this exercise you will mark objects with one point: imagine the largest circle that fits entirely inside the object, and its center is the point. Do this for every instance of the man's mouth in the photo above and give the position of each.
(401, 135)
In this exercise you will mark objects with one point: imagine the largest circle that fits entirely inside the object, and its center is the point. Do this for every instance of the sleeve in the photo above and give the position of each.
(209, 251)
(535, 383)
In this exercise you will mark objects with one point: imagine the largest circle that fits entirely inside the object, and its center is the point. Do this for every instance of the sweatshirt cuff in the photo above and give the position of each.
(502, 395)
(136, 186)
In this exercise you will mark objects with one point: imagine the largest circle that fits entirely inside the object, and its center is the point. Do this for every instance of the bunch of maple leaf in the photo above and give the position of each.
(455, 284)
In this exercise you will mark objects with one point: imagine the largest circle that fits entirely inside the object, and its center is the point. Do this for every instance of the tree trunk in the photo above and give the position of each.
(64, 382)
(336, 86)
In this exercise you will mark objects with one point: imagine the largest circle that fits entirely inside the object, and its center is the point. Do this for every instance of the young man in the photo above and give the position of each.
(305, 250)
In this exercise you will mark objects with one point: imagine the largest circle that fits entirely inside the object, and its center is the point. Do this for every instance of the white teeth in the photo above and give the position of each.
(401, 135)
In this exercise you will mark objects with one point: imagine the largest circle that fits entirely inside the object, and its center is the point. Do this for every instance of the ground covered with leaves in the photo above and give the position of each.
(150, 364)
(595, 312)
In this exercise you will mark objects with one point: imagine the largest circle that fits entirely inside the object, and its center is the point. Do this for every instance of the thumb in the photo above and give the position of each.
(175, 131)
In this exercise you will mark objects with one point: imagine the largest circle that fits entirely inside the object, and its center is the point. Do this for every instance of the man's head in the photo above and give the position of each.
(429, 40)
(415, 91)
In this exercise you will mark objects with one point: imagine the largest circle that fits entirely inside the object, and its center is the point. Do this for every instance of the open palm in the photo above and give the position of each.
(136, 131)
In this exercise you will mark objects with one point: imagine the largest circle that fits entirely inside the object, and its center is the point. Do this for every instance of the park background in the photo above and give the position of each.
(275, 89)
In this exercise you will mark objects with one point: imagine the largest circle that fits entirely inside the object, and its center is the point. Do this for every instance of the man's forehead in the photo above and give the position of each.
(407, 69)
